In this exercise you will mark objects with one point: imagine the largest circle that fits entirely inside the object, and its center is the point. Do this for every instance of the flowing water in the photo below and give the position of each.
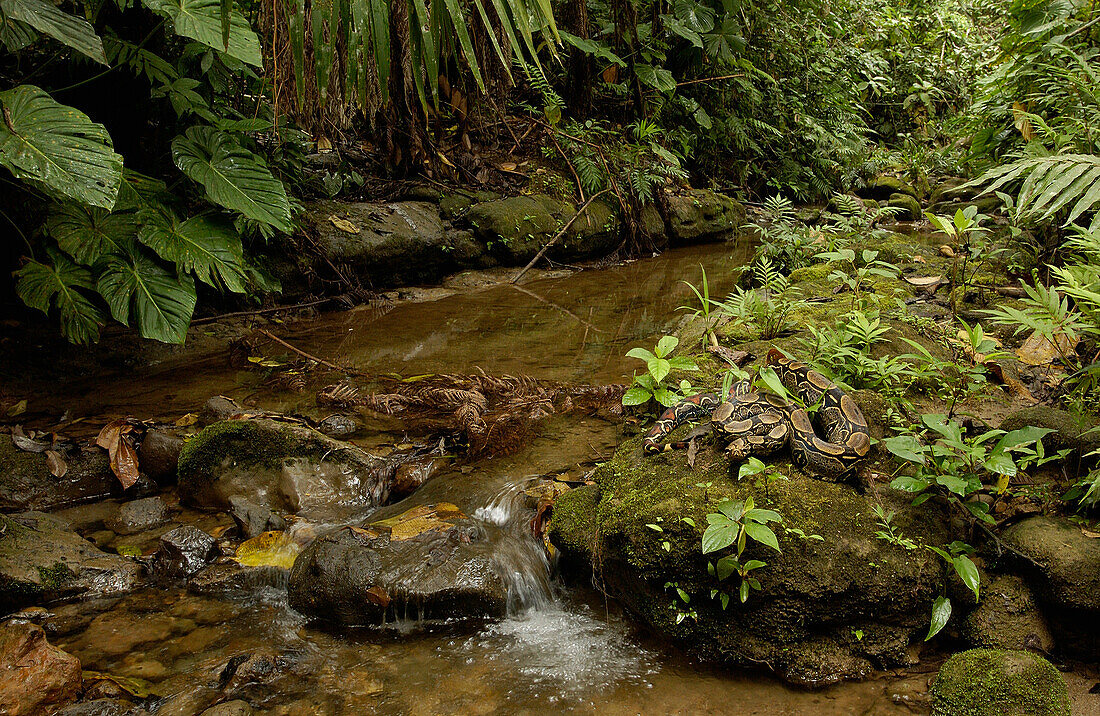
(562, 649)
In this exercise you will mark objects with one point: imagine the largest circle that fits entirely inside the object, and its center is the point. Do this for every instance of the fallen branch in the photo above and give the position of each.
(315, 359)
(260, 311)
(551, 242)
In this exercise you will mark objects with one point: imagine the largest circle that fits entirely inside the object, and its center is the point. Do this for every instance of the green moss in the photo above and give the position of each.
(989, 682)
(246, 441)
(55, 577)
(815, 274)
(573, 522)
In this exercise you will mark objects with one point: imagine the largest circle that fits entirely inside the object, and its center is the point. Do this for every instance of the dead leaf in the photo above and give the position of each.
(18, 409)
(343, 224)
(611, 74)
(367, 533)
(1022, 122)
(378, 596)
(220, 530)
(128, 550)
(114, 438)
(186, 420)
(918, 259)
(693, 450)
(21, 441)
(269, 549)
(1039, 350)
(1090, 534)
(947, 251)
(421, 519)
(508, 166)
(58, 466)
(139, 688)
(923, 281)
(323, 144)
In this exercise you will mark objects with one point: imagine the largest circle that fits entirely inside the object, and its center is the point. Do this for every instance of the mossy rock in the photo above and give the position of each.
(1008, 617)
(1064, 569)
(909, 204)
(516, 228)
(285, 467)
(699, 215)
(816, 595)
(991, 682)
(883, 186)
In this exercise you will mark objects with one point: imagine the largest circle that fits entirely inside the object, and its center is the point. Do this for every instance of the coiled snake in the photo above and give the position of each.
(761, 424)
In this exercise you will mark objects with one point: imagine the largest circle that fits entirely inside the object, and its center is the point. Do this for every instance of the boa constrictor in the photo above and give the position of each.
(761, 424)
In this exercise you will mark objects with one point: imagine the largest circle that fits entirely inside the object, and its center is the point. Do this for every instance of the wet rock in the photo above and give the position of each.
(159, 455)
(358, 576)
(138, 516)
(884, 186)
(698, 215)
(229, 708)
(389, 244)
(26, 482)
(182, 552)
(1065, 573)
(990, 682)
(217, 409)
(815, 595)
(516, 228)
(232, 579)
(337, 426)
(41, 559)
(1008, 617)
(97, 707)
(412, 474)
(281, 466)
(252, 519)
(910, 206)
(35, 676)
(1070, 431)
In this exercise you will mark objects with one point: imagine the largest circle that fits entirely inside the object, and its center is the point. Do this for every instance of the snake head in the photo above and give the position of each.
(775, 356)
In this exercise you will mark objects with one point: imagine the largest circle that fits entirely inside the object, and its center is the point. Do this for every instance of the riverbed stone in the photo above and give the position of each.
(137, 516)
(388, 244)
(1064, 569)
(159, 454)
(282, 466)
(356, 577)
(26, 482)
(97, 707)
(216, 409)
(253, 520)
(816, 595)
(41, 559)
(182, 552)
(230, 579)
(1008, 617)
(992, 682)
(909, 205)
(698, 215)
(230, 708)
(882, 187)
(35, 676)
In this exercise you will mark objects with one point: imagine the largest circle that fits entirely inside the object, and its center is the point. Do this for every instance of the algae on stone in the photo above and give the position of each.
(990, 682)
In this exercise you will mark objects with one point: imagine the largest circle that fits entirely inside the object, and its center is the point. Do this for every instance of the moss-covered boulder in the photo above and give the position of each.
(1064, 568)
(1069, 431)
(909, 206)
(883, 187)
(282, 466)
(832, 606)
(387, 244)
(699, 215)
(1008, 617)
(41, 559)
(515, 229)
(991, 682)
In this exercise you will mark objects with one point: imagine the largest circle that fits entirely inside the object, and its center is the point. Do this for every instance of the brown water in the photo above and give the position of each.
(565, 649)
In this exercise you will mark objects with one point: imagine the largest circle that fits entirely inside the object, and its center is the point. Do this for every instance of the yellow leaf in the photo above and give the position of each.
(421, 519)
(270, 549)
(343, 224)
(1039, 350)
(186, 420)
(128, 550)
(140, 688)
(18, 409)
(1002, 483)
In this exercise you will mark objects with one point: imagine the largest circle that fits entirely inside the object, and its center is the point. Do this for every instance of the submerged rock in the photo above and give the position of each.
(229, 708)
(282, 466)
(1065, 573)
(428, 562)
(252, 519)
(137, 516)
(35, 676)
(41, 559)
(182, 552)
(829, 609)
(990, 682)
(1008, 617)
(233, 580)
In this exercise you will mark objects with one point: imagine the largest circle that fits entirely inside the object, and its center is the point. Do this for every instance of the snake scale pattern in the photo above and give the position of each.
(762, 424)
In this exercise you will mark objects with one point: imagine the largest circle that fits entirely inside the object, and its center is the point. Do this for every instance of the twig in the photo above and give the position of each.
(709, 79)
(313, 358)
(260, 311)
(572, 169)
(557, 236)
(564, 310)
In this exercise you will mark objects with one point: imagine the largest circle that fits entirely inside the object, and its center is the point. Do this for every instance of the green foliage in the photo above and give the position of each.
(1049, 184)
(59, 284)
(843, 352)
(855, 271)
(768, 306)
(734, 524)
(650, 385)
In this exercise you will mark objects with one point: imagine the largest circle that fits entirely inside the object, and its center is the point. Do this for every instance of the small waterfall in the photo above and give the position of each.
(521, 559)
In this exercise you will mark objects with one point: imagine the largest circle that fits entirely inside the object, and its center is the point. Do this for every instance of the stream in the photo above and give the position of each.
(563, 648)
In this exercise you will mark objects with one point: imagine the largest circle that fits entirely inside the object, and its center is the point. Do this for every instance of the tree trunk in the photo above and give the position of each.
(578, 89)
(406, 125)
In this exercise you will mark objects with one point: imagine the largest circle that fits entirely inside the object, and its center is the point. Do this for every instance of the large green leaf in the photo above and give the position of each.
(57, 147)
(88, 234)
(15, 35)
(67, 29)
(234, 177)
(162, 301)
(202, 20)
(42, 285)
(208, 246)
(138, 191)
